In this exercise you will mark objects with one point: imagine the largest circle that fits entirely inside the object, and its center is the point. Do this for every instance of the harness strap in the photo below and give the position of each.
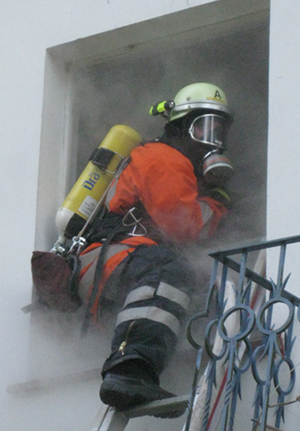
(76, 266)
(98, 275)
(89, 262)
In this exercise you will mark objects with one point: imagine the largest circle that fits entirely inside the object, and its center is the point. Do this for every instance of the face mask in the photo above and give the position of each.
(210, 129)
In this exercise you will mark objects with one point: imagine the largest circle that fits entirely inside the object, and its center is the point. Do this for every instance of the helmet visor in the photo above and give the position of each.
(210, 129)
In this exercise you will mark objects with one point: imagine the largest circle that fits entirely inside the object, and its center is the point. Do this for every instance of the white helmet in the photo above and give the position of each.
(200, 96)
(212, 117)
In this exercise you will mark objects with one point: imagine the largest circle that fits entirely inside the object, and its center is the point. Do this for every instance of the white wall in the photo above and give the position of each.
(27, 30)
(284, 155)
(284, 120)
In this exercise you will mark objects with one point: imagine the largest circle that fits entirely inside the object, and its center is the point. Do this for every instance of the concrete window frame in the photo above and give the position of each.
(59, 138)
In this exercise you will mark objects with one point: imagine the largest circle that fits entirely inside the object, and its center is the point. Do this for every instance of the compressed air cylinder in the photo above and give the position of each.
(94, 180)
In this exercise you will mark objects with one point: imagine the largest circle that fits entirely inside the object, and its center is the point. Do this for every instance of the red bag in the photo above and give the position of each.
(55, 280)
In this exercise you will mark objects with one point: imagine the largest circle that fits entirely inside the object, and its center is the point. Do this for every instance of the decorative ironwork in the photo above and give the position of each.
(242, 308)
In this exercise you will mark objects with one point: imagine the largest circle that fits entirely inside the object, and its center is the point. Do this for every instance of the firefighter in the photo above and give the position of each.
(170, 195)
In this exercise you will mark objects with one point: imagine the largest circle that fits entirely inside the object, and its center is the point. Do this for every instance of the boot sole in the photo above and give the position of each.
(124, 393)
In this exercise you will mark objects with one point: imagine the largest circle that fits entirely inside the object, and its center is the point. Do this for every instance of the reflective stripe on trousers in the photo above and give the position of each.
(154, 313)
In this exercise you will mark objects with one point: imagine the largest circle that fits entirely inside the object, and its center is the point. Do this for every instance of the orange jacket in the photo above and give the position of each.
(164, 181)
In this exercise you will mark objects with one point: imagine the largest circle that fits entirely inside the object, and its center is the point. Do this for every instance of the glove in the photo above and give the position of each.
(220, 195)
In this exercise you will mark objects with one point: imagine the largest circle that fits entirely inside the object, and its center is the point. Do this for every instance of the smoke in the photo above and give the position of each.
(121, 91)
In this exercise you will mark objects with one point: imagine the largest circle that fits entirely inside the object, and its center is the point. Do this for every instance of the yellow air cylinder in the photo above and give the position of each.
(94, 180)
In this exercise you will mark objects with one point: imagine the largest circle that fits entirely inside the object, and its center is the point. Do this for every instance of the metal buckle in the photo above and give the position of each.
(58, 248)
(78, 243)
(136, 223)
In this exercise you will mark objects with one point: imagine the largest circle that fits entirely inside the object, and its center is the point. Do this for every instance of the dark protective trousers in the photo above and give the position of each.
(156, 284)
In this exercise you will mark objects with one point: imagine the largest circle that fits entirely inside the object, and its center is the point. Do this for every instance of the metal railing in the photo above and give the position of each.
(242, 309)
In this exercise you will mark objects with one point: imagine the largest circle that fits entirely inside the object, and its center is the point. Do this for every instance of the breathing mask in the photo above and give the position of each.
(211, 130)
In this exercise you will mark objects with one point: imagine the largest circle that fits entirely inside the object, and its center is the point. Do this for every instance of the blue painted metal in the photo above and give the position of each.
(271, 349)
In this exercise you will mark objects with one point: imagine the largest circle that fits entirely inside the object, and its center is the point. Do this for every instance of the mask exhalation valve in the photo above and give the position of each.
(217, 168)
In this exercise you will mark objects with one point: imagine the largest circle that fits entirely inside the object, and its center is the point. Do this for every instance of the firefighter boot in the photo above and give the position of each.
(132, 383)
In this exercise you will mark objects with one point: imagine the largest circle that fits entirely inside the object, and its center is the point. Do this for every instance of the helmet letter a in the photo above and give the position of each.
(217, 95)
